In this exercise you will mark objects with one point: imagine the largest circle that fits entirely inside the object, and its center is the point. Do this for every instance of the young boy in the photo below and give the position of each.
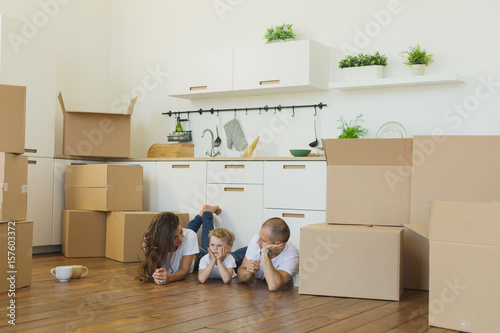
(218, 263)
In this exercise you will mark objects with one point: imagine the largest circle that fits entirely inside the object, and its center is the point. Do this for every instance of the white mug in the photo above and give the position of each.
(63, 273)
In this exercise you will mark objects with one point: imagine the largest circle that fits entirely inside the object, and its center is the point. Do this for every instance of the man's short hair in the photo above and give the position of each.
(279, 229)
(224, 234)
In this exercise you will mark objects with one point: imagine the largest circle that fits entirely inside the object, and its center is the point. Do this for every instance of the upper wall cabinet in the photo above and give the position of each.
(286, 67)
(297, 66)
(200, 75)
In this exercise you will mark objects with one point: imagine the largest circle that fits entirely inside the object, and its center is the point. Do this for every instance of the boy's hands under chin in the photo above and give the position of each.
(211, 254)
(222, 254)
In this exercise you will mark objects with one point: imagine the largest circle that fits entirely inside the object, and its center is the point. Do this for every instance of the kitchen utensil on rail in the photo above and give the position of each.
(218, 139)
(315, 142)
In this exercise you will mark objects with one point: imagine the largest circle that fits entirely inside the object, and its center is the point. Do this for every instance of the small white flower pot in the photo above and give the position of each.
(363, 73)
(418, 70)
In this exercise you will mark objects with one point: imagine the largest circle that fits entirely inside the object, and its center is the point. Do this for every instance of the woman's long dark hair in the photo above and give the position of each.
(157, 244)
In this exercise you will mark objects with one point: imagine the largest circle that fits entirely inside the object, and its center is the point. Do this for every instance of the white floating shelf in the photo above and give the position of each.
(398, 82)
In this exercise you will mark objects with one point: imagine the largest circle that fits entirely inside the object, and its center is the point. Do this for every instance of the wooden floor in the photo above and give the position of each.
(108, 299)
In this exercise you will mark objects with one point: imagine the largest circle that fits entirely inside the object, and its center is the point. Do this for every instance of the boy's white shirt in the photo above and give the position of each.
(229, 262)
(189, 246)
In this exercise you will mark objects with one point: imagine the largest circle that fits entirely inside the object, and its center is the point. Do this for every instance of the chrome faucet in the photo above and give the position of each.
(211, 152)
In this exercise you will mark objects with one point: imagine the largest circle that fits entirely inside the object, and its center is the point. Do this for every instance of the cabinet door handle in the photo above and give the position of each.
(234, 166)
(291, 167)
(31, 162)
(181, 166)
(28, 150)
(263, 83)
(76, 163)
(198, 88)
(298, 216)
(234, 189)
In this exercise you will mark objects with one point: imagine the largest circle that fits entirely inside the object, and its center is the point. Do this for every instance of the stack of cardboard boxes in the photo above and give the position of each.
(16, 234)
(450, 183)
(103, 215)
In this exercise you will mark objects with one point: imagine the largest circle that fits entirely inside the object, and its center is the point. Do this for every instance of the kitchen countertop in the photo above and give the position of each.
(145, 159)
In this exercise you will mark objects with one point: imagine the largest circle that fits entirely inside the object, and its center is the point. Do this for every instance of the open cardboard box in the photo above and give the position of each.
(96, 134)
(12, 118)
(464, 287)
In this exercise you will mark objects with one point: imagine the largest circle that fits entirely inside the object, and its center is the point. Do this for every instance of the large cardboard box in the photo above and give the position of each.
(125, 231)
(12, 118)
(464, 290)
(368, 181)
(103, 187)
(83, 233)
(100, 134)
(16, 238)
(351, 261)
(447, 168)
(13, 187)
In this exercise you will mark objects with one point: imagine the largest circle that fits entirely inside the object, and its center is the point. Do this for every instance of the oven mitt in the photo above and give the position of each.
(235, 135)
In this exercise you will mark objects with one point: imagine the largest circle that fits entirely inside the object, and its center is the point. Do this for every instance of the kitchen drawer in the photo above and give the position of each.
(295, 219)
(235, 172)
(295, 185)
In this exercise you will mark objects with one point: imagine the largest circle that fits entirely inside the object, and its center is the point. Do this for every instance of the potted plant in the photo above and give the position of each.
(363, 66)
(353, 129)
(280, 33)
(417, 59)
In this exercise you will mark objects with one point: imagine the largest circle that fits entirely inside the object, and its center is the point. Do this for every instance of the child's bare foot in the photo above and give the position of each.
(214, 209)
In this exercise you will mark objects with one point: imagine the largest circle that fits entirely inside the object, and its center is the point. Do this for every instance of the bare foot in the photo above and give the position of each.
(214, 209)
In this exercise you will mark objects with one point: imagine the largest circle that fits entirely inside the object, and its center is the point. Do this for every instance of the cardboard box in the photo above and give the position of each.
(83, 233)
(464, 266)
(103, 187)
(368, 181)
(351, 261)
(447, 168)
(22, 231)
(125, 231)
(13, 187)
(12, 118)
(96, 134)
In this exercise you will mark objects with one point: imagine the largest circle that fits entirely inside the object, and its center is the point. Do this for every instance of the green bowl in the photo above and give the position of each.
(300, 152)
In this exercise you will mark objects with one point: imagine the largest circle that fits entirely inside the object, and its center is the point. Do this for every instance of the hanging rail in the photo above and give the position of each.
(260, 109)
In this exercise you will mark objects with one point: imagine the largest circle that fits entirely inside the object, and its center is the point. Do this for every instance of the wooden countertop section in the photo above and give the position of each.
(145, 159)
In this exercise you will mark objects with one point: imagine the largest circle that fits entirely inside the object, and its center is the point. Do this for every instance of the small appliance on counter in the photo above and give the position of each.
(180, 136)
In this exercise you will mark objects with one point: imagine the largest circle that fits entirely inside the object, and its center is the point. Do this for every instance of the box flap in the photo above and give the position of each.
(368, 151)
(131, 106)
(465, 222)
(420, 228)
(129, 110)
(61, 102)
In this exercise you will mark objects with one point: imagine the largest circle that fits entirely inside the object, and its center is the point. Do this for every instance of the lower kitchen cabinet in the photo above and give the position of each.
(241, 209)
(40, 199)
(181, 186)
(296, 219)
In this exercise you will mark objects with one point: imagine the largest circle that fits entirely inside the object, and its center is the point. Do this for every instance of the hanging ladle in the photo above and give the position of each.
(315, 142)
(218, 139)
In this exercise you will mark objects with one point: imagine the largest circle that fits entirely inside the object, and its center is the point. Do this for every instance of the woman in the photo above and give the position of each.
(170, 250)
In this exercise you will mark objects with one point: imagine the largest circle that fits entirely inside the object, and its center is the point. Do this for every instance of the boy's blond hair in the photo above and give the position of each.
(224, 234)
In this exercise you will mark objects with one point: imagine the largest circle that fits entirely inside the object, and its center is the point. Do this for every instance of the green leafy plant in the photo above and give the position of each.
(363, 60)
(283, 31)
(415, 55)
(352, 129)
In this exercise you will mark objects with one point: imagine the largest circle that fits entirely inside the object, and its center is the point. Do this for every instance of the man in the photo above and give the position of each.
(269, 256)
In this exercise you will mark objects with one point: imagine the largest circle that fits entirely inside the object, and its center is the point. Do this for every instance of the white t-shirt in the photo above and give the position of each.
(189, 246)
(287, 261)
(229, 262)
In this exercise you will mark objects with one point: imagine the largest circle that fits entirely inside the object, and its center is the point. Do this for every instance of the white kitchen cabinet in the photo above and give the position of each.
(235, 172)
(40, 200)
(296, 66)
(22, 64)
(241, 209)
(148, 181)
(59, 177)
(199, 75)
(296, 219)
(181, 186)
(295, 185)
